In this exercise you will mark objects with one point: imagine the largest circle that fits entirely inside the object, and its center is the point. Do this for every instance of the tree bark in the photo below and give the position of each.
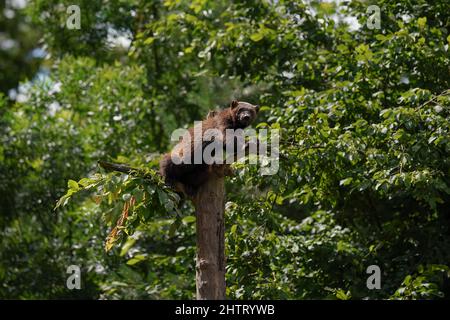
(209, 203)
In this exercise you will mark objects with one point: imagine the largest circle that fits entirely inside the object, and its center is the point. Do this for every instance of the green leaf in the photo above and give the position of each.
(363, 53)
(188, 219)
(165, 201)
(341, 295)
(127, 246)
(85, 182)
(346, 181)
(257, 36)
(380, 37)
(136, 259)
(71, 184)
(174, 227)
(149, 40)
(62, 201)
(421, 22)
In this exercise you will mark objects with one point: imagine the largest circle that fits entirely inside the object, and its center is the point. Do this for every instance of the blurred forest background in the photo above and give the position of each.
(364, 173)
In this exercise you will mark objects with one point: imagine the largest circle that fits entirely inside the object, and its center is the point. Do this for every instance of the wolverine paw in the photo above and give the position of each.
(228, 171)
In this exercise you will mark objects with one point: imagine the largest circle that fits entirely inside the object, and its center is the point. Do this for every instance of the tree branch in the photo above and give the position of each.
(108, 166)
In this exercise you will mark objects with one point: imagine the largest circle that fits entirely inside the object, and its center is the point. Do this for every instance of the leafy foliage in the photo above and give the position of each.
(364, 151)
(20, 54)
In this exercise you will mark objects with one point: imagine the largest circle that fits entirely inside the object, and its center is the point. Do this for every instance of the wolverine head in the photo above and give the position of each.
(244, 113)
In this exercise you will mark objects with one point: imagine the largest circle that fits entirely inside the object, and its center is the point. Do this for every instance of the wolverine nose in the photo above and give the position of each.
(246, 117)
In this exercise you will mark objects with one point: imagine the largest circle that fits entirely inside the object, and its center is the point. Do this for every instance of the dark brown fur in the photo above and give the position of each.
(187, 178)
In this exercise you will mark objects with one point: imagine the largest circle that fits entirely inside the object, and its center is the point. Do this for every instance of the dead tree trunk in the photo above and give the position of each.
(209, 205)
(210, 265)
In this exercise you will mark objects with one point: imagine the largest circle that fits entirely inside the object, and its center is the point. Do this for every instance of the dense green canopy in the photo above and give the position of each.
(364, 177)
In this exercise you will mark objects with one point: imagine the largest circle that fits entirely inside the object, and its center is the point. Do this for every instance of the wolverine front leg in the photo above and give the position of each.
(228, 170)
(221, 170)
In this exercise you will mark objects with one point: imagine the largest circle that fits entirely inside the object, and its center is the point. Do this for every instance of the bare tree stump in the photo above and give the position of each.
(209, 204)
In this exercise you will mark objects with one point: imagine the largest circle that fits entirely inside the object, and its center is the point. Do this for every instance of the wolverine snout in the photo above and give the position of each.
(246, 117)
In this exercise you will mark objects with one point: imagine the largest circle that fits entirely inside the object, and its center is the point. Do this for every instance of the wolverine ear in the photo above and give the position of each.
(211, 114)
(257, 108)
(234, 104)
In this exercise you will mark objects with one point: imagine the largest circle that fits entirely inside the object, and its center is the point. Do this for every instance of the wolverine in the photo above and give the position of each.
(178, 168)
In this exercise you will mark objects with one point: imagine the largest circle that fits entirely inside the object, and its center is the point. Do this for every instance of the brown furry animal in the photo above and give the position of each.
(183, 174)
